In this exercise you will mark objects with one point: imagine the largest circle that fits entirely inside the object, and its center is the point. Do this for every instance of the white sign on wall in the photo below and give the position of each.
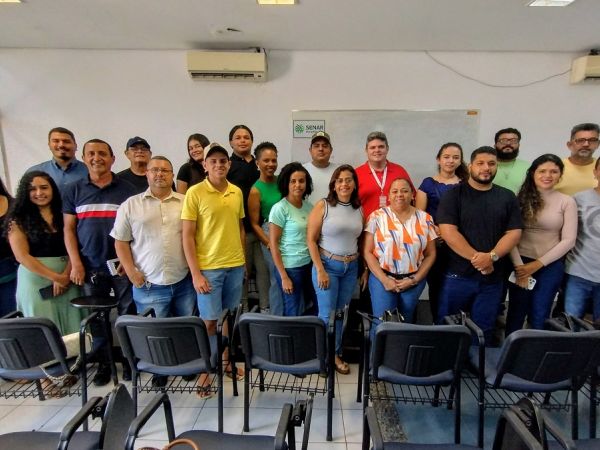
(306, 128)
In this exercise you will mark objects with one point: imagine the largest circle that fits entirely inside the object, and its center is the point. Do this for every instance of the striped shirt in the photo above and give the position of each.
(95, 209)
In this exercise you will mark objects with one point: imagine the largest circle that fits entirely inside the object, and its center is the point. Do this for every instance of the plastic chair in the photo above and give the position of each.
(537, 362)
(417, 364)
(291, 417)
(116, 411)
(177, 347)
(300, 348)
(32, 349)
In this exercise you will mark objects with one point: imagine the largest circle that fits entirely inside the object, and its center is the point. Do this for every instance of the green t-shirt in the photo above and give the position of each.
(269, 195)
(292, 221)
(511, 174)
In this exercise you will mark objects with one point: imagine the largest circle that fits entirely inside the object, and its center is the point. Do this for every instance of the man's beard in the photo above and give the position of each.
(486, 181)
(64, 157)
(507, 156)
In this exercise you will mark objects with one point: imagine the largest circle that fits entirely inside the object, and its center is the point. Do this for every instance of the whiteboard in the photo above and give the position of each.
(414, 136)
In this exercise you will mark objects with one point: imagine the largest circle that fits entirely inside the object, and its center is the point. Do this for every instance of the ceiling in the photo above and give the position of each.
(436, 25)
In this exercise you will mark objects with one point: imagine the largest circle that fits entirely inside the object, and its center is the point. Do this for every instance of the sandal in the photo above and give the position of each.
(342, 368)
(52, 390)
(229, 373)
(204, 392)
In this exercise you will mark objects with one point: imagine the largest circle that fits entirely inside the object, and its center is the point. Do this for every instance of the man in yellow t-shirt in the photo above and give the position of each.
(579, 167)
(213, 238)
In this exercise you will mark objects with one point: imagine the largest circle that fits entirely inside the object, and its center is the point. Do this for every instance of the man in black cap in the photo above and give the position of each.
(138, 153)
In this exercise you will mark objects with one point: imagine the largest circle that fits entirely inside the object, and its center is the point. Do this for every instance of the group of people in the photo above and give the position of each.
(308, 236)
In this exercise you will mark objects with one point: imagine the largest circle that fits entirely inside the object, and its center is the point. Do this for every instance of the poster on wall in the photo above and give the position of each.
(414, 136)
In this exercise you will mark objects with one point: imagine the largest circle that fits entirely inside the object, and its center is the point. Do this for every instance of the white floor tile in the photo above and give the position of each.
(318, 427)
(183, 418)
(264, 421)
(271, 399)
(233, 420)
(347, 396)
(353, 420)
(28, 417)
(6, 409)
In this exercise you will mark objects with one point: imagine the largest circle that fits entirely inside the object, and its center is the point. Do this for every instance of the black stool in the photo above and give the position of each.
(102, 306)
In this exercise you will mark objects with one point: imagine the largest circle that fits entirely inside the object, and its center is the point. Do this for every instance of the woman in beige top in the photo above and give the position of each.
(550, 219)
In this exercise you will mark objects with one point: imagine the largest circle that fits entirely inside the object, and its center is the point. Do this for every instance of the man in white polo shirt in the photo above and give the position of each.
(319, 167)
(148, 242)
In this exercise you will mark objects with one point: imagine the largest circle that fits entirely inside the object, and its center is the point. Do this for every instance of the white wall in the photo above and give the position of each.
(118, 94)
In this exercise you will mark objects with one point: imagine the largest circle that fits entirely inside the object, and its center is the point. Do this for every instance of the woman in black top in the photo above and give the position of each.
(192, 172)
(8, 265)
(35, 233)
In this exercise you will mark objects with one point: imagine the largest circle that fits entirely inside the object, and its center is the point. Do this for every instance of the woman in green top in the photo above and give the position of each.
(263, 195)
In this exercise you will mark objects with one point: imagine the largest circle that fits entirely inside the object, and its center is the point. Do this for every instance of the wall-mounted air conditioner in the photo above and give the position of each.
(227, 65)
(586, 68)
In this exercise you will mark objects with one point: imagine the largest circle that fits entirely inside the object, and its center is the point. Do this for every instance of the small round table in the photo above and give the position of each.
(101, 305)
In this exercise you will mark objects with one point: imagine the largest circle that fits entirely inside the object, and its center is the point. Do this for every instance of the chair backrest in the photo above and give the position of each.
(30, 342)
(419, 350)
(118, 416)
(274, 342)
(164, 341)
(548, 357)
(523, 426)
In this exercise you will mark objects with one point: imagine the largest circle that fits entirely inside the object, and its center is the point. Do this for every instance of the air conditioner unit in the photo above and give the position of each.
(585, 68)
(227, 65)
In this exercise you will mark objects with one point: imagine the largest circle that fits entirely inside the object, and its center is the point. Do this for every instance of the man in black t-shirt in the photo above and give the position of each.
(481, 223)
(138, 153)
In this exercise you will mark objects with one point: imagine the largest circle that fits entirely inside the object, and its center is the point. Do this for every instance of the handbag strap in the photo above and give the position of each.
(182, 441)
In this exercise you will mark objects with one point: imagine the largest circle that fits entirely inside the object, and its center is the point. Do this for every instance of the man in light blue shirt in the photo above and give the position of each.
(64, 168)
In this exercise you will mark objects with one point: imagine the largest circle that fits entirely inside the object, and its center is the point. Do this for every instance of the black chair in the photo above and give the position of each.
(292, 416)
(520, 427)
(569, 324)
(32, 349)
(292, 354)
(417, 364)
(177, 347)
(549, 366)
(116, 411)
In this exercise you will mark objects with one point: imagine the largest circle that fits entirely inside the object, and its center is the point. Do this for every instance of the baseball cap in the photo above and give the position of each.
(215, 148)
(137, 140)
(320, 135)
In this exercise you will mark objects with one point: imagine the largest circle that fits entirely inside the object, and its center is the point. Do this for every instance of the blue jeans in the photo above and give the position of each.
(406, 301)
(225, 292)
(177, 299)
(537, 303)
(342, 281)
(275, 297)
(578, 294)
(482, 300)
(294, 303)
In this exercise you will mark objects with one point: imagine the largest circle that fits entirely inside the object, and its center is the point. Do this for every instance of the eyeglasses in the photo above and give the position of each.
(508, 141)
(139, 149)
(157, 170)
(591, 141)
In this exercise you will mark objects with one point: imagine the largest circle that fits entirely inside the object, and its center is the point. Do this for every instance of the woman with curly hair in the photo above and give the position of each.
(35, 233)
(550, 219)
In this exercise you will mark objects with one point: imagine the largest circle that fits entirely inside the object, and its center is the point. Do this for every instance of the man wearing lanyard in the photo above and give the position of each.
(376, 175)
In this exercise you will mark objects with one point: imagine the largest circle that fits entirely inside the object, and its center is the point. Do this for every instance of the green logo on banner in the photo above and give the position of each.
(299, 128)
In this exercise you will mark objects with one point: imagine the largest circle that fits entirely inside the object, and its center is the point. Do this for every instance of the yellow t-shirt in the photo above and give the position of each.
(217, 216)
(576, 178)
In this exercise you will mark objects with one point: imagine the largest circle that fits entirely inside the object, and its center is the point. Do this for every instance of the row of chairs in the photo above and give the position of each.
(429, 364)
(521, 427)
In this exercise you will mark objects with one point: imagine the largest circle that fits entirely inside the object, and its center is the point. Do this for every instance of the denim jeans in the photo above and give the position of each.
(342, 282)
(579, 292)
(537, 303)
(177, 299)
(406, 301)
(225, 292)
(294, 303)
(275, 296)
(471, 295)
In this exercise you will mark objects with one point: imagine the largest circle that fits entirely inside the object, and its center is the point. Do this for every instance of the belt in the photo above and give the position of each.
(399, 276)
(345, 258)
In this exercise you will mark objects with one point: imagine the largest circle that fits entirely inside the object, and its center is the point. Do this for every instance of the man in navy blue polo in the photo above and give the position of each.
(64, 168)
(89, 208)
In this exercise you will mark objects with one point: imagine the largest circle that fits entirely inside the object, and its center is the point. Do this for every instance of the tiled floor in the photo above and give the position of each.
(421, 424)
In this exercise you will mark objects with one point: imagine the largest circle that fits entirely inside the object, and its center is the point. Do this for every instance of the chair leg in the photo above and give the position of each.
(261, 378)
(457, 413)
(109, 345)
(247, 400)
(593, 405)
(366, 440)
(436, 396)
(134, 389)
(575, 415)
(40, 390)
(330, 394)
(220, 397)
(481, 406)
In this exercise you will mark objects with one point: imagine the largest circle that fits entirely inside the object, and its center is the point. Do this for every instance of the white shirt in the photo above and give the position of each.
(153, 229)
(321, 176)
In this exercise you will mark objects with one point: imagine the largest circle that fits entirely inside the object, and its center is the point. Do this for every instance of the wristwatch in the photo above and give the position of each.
(494, 256)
